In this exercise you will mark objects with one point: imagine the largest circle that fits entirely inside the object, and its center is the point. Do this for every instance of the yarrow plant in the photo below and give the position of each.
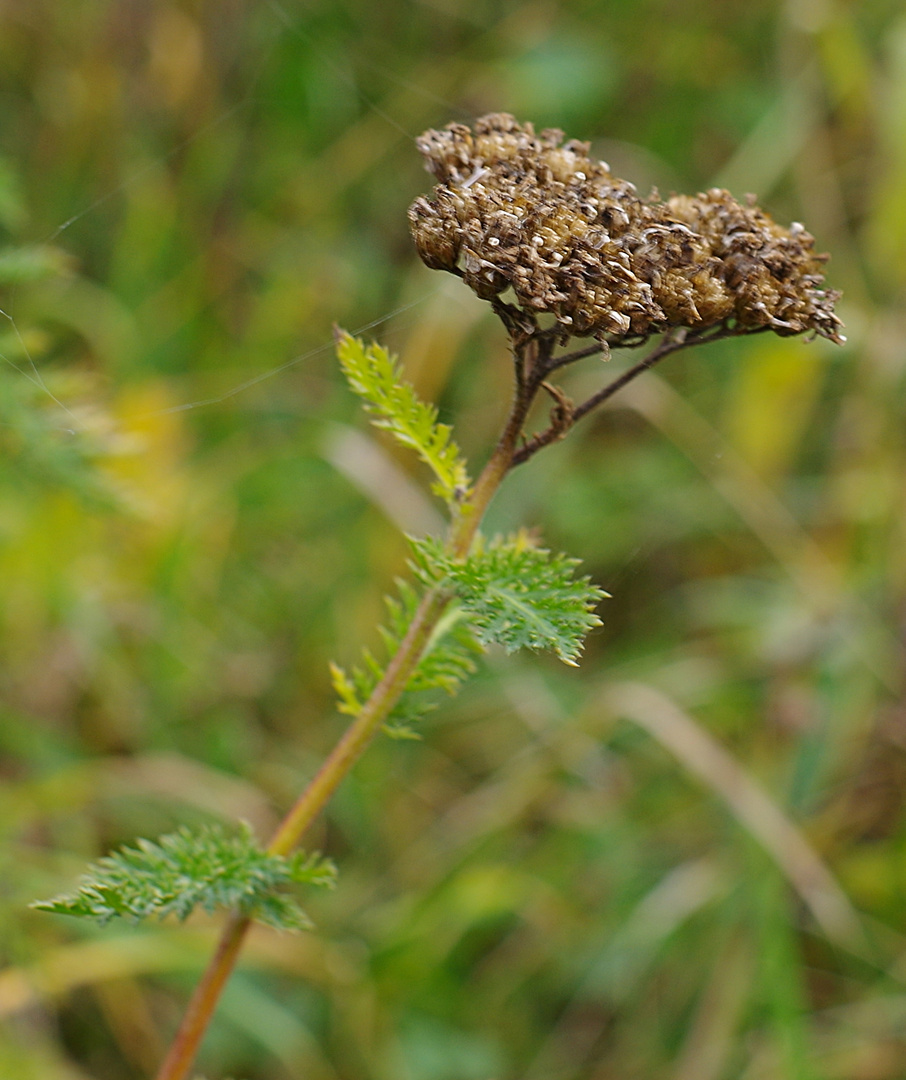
(563, 251)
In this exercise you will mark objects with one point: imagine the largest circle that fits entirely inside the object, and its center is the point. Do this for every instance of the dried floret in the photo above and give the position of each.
(523, 211)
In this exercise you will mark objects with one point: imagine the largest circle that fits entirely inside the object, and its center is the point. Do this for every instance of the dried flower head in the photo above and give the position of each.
(529, 212)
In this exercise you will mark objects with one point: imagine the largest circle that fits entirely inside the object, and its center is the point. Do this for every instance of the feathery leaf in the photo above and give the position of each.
(376, 377)
(448, 659)
(517, 595)
(210, 868)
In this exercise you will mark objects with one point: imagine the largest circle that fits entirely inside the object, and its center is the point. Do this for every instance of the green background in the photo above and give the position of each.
(683, 861)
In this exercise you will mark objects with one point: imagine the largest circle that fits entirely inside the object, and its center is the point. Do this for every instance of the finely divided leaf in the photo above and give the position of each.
(448, 659)
(209, 868)
(517, 595)
(377, 378)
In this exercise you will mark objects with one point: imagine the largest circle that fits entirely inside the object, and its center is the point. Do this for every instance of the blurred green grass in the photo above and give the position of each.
(565, 879)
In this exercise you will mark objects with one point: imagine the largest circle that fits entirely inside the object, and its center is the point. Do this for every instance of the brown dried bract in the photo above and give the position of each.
(513, 209)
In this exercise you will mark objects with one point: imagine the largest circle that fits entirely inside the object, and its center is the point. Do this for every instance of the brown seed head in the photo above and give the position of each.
(513, 209)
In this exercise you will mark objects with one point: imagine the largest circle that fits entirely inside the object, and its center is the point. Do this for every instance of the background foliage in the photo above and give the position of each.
(684, 860)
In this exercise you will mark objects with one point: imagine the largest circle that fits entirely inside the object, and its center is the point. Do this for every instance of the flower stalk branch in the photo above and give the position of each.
(560, 425)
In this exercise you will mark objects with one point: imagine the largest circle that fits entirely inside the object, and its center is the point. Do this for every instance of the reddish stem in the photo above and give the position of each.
(201, 1006)
(353, 743)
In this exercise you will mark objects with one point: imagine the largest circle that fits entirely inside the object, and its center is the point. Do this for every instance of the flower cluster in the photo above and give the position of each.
(516, 210)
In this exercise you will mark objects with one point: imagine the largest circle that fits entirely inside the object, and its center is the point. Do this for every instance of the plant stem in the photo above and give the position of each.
(352, 744)
(499, 464)
(201, 1006)
(365, 726)
(667, 346)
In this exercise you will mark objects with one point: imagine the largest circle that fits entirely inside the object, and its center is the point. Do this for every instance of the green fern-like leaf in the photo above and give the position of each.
(517, 595)
(376, 377)
(448, 659)
(210, 868)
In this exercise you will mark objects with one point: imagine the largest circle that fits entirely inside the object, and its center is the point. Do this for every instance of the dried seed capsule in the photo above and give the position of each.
(513, 209)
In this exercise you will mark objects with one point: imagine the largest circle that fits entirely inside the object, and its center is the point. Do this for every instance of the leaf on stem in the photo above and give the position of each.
(448, 659)
(517, 595)
(376, 377)
(210, 868)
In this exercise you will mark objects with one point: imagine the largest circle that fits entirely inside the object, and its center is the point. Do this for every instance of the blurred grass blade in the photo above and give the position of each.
(364, 462)
(755, 810)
